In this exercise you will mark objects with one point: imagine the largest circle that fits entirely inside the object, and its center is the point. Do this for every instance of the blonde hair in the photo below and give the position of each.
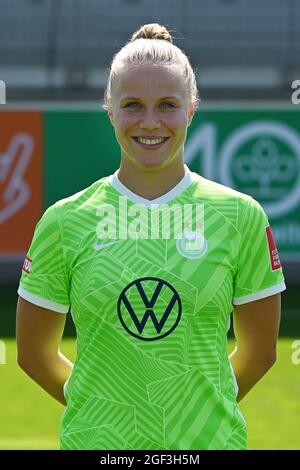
(152, 44)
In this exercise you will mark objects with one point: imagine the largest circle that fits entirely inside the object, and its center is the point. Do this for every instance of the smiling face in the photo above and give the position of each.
(150, 103)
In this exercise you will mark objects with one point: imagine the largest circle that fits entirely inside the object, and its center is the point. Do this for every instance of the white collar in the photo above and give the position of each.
(181, 186)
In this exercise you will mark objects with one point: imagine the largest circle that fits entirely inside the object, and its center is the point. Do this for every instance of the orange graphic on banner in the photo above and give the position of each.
(20, 180)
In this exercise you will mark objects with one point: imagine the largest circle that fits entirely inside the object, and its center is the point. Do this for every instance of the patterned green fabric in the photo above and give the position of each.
(152, 368)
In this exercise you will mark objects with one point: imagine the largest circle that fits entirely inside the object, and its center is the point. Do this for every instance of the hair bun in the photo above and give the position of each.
(152, 31)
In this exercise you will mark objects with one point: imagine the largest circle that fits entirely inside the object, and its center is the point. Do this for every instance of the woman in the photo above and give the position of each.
(151, 307)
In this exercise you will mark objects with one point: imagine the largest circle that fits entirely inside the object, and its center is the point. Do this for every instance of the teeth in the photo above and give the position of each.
(150, 142)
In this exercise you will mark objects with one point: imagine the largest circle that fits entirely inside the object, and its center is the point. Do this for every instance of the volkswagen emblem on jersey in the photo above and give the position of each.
(192, 245)
(149, 308)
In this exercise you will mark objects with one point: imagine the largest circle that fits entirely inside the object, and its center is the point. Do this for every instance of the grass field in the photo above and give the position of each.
(30, 418)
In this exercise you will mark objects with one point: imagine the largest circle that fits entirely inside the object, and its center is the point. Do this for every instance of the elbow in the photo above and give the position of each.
(32, 362)
(25, 361)
(261, 362)
(269, 361)
(22, 355)
(22, 362)
(273, 359)
(29, 366)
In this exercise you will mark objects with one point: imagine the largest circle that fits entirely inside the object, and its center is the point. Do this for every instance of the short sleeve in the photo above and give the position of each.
(44, 280)
(259, 272)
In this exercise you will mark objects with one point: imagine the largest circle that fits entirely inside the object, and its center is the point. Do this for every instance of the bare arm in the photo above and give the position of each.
(256, 326)
(39, 332)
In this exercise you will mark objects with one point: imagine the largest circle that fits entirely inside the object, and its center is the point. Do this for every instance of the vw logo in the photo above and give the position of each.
(149, 308)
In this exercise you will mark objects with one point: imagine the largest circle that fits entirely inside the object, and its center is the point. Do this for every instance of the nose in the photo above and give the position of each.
(150, 120)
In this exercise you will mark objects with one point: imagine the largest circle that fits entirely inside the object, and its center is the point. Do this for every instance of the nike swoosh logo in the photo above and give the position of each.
(98, 246)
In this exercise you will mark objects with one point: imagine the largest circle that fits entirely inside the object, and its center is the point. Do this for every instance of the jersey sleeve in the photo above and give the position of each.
(44, 280)
(259, 272)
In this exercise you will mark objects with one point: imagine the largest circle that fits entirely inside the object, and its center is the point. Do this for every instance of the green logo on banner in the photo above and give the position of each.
(263, 159)
(259, 157)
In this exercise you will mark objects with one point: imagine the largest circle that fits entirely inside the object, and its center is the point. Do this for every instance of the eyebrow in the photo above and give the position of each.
(174, 97)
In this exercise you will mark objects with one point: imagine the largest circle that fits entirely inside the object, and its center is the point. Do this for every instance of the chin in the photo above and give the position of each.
(150, 163)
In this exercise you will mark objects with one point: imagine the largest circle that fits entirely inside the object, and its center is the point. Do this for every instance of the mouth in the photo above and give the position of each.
(150, 146)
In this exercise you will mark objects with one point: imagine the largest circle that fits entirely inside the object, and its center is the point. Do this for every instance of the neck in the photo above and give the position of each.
(150, 184)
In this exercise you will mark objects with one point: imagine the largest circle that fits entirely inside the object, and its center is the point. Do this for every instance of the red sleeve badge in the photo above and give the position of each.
(274, 256)
(27, 265)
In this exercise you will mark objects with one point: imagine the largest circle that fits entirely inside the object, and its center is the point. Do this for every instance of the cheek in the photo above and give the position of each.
(177, 121)
(125, 120)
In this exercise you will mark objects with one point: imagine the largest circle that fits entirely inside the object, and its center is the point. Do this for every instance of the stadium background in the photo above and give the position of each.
(54, 55)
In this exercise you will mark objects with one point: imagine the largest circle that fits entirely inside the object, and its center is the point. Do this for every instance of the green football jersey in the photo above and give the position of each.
(151, 309)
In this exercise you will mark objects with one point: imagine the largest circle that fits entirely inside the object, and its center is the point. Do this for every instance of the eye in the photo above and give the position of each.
(168, 103)
(130, 105)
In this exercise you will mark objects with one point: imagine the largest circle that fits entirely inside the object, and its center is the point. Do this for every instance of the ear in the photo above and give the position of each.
(110, 115)
(191, 112)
